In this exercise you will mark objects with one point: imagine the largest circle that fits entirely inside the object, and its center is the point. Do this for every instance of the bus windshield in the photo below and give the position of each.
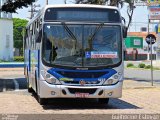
(76, 45)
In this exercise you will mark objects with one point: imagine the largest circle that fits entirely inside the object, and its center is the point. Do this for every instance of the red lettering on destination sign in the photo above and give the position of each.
(104, 56)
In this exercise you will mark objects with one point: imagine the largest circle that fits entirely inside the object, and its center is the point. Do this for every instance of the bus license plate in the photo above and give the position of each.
(82, 95)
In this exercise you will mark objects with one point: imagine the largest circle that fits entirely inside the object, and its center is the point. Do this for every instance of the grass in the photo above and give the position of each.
(142, 66)
(156, 68)
(3, 61)
(132, 67)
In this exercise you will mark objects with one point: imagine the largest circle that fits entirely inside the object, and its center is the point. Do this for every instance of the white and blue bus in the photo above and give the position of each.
(75, 51)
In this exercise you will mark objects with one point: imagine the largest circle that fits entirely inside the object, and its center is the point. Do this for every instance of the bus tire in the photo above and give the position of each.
(42, 101)
(103, 100)
(36, 83)
(30, 90)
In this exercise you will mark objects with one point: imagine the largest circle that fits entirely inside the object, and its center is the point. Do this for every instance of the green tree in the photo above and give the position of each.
(12, 5)
(98, 2)
(118, 3)
(18, 25)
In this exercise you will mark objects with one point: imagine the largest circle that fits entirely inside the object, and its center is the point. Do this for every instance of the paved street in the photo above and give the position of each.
(15, 99)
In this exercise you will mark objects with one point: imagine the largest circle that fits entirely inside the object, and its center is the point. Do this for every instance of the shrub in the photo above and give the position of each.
(19, 58)
(130, 65)
(147, 66)
(141, 65)
(3, 61)
(156, 68)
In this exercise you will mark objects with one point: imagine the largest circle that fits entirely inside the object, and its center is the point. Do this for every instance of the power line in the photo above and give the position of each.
(33, 10)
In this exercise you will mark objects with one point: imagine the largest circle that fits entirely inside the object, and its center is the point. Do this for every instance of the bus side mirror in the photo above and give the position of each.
(124, 31)
(39, 36)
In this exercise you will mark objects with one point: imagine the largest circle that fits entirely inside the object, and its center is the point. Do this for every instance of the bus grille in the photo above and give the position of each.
(69, 74)
(86, 82)
(79, 90)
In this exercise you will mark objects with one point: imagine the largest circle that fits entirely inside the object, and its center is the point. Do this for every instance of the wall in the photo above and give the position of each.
(4, 14)
(6, 39)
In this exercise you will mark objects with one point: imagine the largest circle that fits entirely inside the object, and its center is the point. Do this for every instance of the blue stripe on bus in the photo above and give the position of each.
(29, 60)
(109, 73)
(38, 63)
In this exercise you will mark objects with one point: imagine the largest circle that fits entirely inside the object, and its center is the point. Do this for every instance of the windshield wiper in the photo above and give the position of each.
(90, 39)
(70, 33)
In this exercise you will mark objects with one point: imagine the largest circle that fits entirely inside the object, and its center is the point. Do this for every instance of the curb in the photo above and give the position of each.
(11, 65)
(140, 69)
(143, 87)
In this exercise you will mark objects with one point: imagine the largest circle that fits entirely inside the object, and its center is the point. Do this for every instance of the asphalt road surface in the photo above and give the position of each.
(142, 75)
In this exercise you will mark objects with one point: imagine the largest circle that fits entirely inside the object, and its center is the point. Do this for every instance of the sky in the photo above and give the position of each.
(23, 13)
(140, 16)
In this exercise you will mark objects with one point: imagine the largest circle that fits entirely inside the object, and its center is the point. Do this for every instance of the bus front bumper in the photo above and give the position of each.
(65, 91)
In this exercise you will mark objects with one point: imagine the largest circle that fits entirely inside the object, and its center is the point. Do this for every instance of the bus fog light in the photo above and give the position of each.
(101, 92)
(110, 93)
(53, 93)
(64, 92)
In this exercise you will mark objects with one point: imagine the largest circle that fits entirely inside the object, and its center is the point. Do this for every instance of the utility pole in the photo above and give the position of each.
(32, 14)
(33, 10)
(149, 48)
(46, 2)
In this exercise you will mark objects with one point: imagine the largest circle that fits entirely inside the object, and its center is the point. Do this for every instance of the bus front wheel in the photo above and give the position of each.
(30, 90)
(42, 101)
(103, 100)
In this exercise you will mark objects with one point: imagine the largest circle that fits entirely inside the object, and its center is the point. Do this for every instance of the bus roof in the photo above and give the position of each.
(71, 6)
(80, 6)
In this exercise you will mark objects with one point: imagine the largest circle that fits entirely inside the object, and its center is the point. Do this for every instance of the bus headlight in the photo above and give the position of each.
(50, 78)
(112, 80)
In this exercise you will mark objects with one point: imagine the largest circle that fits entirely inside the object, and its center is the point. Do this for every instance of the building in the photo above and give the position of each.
(6, 35)
(142, 48)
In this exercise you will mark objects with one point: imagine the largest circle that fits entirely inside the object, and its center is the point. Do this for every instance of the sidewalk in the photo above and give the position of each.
(132, 84)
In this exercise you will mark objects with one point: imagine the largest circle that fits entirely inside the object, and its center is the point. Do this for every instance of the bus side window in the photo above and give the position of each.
(30, 37)
(37, 27)
(34, 35)
(38, 32)
(40, 23)
(25, 39)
